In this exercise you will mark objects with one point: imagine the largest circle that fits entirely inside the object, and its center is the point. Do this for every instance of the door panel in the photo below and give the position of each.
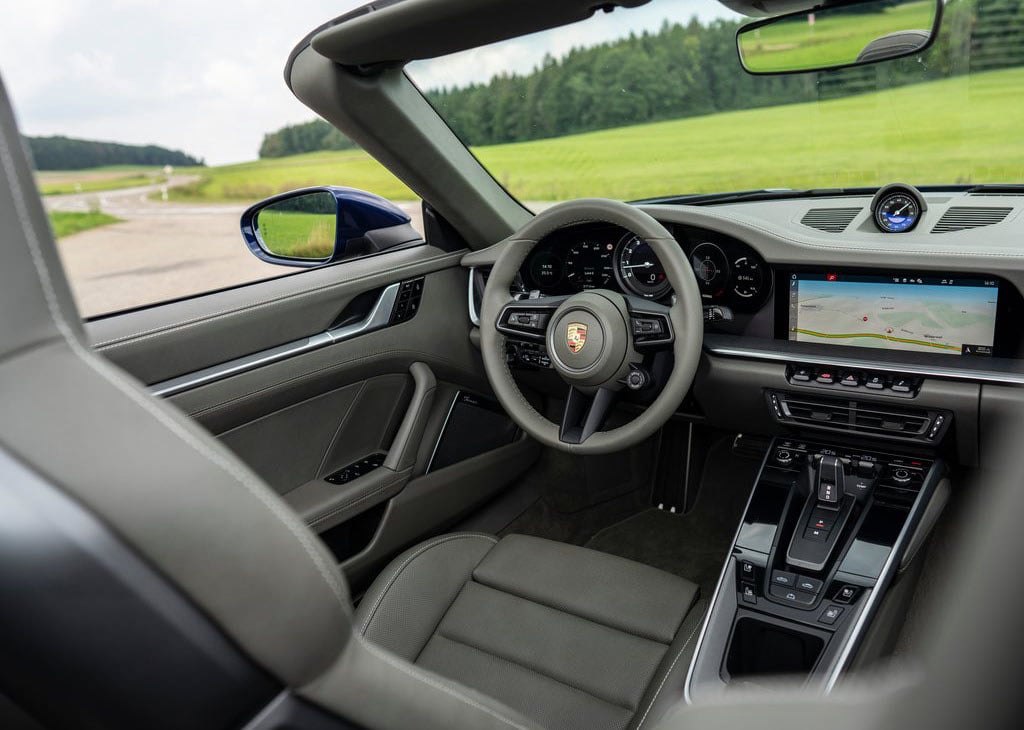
(313, 439)
(165, 341)
(301, 417)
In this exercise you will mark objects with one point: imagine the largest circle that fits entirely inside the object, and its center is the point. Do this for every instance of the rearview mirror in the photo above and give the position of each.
(838, 36)
(317, 226)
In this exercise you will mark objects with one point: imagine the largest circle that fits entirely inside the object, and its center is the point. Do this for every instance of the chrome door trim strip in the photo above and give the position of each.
(474, 316)
(444, 427)
(378, 318)
(935, 371)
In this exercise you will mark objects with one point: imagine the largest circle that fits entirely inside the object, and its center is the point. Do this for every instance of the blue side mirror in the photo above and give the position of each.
(317, 226)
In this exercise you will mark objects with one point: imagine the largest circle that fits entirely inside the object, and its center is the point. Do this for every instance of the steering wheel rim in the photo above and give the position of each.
(685, 317)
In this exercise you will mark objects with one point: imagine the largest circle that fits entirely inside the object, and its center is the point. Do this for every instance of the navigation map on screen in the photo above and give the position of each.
(953, 316)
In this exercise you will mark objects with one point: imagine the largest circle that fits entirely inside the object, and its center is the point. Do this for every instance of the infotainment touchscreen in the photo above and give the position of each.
(956, 316)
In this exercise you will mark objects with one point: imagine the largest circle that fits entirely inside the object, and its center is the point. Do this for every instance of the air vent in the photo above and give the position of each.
(963, 218)
(830, 220)
(870, 419)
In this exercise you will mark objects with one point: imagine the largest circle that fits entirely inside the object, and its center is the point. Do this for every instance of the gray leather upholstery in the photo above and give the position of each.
(570, 637)
(185, 504)
(231, 547)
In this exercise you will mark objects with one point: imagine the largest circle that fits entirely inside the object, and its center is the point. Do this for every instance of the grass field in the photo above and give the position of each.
(63, 182)
(66, 224)
(298, 235)
(961, 130)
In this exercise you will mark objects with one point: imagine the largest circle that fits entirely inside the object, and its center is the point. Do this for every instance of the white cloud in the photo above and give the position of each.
(206, 76)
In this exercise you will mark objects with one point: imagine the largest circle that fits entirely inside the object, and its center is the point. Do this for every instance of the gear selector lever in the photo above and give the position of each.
(830, 482)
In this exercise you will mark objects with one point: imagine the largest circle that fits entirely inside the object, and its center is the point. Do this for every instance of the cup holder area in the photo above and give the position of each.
(764, 648)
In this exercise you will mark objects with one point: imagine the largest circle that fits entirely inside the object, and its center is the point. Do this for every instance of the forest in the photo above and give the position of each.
(682, 70)
(66, 153)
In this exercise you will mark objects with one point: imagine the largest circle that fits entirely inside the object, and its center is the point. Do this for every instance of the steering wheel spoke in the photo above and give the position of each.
(650, 323)
(527, 319)
(584, 414)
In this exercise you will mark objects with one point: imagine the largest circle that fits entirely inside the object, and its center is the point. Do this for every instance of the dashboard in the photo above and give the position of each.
(599, 256)
(888, 314)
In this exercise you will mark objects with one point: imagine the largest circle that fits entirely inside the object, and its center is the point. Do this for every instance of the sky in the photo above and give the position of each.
(205, 77)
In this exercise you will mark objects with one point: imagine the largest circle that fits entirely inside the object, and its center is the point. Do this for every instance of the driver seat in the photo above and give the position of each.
(570, 637)
(152, 580)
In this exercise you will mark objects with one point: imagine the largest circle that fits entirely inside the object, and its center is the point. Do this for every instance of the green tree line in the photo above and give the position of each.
(311, 136)
(682, 70)
(66, 153)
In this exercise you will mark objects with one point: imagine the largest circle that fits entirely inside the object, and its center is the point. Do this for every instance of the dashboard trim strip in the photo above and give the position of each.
(935, 371)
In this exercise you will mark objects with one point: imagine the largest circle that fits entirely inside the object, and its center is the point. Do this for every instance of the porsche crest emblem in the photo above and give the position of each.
(576, 336)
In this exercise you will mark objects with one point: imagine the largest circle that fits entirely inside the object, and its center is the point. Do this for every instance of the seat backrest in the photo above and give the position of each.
(182, 505)
(150, 579)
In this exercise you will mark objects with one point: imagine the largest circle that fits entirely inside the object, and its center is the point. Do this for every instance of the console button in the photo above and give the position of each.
(851, 379)
(802, 375)
(826, 377)
(746, 570)
(792, 596)
(830, 615)
(748, 593)
(783, 457)
(783, 578)
(811, 585)
(846, 594)
(865, 468)
(902, 385)
(822, 519)
(816, 535)
(901, 475)
(875, 382)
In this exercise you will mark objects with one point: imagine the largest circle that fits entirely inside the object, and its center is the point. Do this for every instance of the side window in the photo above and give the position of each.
(165, 136)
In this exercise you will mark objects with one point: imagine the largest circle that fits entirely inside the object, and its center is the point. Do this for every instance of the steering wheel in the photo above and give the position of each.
(594, 337)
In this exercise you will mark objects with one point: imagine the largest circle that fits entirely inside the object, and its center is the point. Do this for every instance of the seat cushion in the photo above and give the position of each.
(569, 637)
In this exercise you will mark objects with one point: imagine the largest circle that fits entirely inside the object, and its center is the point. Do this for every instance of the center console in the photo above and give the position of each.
(825, 530)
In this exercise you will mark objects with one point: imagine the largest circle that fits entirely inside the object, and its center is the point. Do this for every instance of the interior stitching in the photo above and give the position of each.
(422, 549)
(533, 670)
(672, 666)
(413, 672)
(143, 335)
(207, 410)
(565, 610)
(292, 523)
(322, 517)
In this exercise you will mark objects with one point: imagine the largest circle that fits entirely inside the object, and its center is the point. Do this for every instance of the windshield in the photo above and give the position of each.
(653, 102)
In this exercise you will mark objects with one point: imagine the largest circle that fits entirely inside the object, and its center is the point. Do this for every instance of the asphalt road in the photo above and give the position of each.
(161, 251)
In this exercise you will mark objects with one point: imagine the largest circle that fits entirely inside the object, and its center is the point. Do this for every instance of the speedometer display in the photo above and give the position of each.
(588, 264)
(639, 269)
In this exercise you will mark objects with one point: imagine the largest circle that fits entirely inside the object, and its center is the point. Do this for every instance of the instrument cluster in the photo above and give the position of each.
(599, 256)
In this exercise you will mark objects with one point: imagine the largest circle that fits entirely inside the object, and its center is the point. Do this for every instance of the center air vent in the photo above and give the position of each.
(963, 218)
(830, 220)
(870, 419)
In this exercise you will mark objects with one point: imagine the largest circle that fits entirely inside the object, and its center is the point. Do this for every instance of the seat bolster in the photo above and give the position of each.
(666, 689)
(606, 589)
(407, 601)
(377, 691)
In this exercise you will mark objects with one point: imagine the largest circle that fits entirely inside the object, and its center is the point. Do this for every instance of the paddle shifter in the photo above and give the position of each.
(835, 487)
